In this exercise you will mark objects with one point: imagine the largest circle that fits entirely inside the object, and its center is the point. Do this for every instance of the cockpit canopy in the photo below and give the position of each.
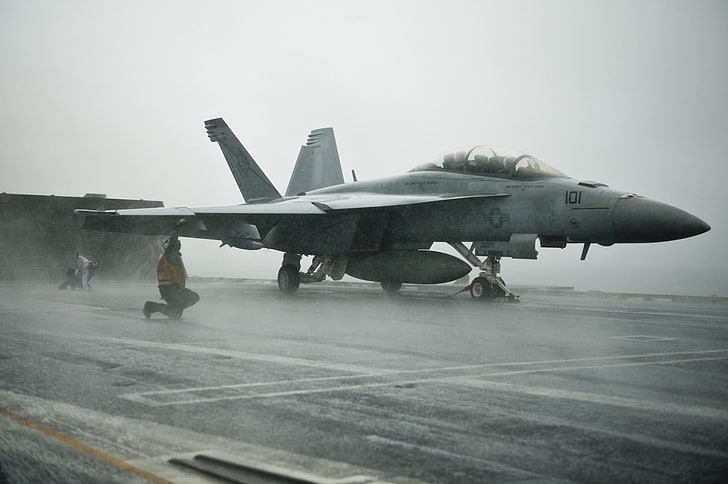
(496, 161)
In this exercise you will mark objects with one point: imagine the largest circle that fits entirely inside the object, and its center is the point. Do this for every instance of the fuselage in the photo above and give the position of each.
(500, 198)
(556, 209)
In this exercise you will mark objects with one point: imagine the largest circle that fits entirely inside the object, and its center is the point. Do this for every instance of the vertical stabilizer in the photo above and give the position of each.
(251, 180)
(318, 164)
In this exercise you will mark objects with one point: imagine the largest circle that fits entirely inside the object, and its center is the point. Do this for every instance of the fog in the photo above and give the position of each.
(110, 97)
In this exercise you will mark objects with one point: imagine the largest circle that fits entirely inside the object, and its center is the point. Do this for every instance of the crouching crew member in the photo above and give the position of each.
(81, 277)
(171, 277)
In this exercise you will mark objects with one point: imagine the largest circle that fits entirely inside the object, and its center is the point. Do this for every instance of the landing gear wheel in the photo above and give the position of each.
(481, 289)
(288, 279)
(390, 286)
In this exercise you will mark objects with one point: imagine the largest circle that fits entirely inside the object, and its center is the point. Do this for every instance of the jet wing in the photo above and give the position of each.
(161, 220)
(144, 221)
(217, 223)
(317, 223)
(328, 223)
(364, 201)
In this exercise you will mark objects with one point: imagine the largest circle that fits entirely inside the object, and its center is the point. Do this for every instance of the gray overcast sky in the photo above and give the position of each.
(110, 97)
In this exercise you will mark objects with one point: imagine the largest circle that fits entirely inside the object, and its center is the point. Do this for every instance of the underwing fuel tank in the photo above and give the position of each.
(410, 266)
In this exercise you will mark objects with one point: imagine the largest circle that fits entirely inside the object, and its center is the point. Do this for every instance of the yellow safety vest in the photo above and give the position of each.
(170, 274)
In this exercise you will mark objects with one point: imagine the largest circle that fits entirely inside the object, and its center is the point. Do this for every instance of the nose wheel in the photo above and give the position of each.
(483, 289)
(488, 285)
(480, 288)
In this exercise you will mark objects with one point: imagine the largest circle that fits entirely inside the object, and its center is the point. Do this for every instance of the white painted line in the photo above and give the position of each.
(146, 398)
(367, 371)
(244, 355)
(631, 403)
(574, 360)
(596, 367)
(641, 338)
(142, 397)
(471, 380)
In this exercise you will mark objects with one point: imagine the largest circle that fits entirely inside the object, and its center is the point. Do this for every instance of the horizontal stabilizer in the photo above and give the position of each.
(318, 164)
(251, 180)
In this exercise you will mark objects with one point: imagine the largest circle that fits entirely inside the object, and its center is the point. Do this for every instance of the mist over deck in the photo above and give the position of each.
(41, 235)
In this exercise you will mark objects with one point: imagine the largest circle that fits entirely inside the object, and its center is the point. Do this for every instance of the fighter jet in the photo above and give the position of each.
(499, 200)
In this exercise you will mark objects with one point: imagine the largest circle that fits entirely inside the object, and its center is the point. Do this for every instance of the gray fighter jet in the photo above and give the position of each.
(499, 200)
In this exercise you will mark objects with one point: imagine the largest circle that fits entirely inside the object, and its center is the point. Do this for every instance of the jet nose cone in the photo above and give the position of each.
(644, 220)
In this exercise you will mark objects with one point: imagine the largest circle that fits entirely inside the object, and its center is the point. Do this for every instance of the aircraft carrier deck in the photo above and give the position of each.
(344, 383)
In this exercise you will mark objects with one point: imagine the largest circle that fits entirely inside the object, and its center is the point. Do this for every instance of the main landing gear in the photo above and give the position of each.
(290, 275)
(488, 286)
(391, 287)
(288, 278)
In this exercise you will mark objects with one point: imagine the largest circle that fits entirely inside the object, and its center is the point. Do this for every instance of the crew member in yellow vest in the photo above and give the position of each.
(171, 277)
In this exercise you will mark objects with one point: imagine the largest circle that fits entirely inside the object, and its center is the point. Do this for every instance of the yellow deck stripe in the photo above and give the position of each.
(69, 304)
(85, 448)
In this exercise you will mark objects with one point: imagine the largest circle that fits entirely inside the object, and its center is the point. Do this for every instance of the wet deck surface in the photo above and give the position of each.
(340, 381)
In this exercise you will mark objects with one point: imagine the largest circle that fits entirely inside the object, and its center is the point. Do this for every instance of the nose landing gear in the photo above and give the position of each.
(488, 286)
(491, 288)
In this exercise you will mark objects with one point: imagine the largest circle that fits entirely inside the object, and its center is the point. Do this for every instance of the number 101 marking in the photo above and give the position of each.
(573, 198)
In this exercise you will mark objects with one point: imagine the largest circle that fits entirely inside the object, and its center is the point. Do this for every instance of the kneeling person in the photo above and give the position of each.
(171, 277)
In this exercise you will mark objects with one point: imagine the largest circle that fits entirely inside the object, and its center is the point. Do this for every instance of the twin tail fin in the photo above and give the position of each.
(252, 182)
(317, 166)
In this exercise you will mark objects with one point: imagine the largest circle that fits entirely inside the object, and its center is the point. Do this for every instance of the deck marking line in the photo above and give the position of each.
(595, 367)
(85, 448)
(370, 371)
(376, 373)
(70, 304)
(244, 355)
(464, 380)
(635, 404)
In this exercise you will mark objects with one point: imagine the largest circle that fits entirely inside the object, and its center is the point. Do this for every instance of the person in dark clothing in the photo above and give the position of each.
(171, 278)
